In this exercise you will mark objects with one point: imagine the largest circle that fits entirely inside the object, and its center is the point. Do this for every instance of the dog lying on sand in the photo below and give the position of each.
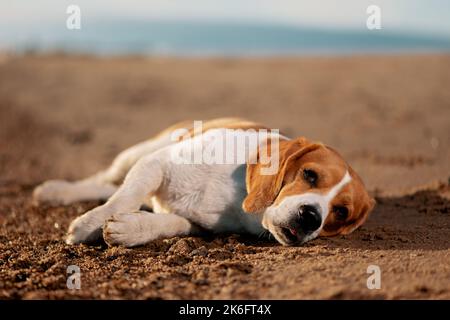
(312, 192)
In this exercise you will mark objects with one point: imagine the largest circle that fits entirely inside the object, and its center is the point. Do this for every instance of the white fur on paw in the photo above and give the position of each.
(53, 191)
(128, 229)
(86, 228)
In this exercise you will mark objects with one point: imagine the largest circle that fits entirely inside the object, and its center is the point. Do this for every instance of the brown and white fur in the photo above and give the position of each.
(314, 192)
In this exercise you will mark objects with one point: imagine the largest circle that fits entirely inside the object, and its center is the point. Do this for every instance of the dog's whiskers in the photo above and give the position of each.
(265, 234)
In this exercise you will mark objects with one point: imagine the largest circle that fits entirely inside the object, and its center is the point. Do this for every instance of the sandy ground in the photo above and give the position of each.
(66, 117)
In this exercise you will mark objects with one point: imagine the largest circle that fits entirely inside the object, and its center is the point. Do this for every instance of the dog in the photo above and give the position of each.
(313, 192)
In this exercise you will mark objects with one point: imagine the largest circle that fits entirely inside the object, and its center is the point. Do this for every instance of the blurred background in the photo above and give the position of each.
(233, 27)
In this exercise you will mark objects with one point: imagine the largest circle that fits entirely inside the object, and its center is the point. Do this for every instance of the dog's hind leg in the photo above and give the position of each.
(60, 192)
(138, 228)
(141, 182)
(101, 185)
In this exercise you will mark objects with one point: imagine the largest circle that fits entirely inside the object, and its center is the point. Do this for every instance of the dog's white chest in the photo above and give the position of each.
(209, 195)
(206, 195)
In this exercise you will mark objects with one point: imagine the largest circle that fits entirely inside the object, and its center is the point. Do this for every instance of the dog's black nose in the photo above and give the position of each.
(309, 218)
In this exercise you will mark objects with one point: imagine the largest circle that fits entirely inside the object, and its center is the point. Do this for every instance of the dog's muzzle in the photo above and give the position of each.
(307, 220)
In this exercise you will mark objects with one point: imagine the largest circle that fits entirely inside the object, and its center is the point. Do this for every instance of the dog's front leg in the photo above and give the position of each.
(142, 181)
(138, 228)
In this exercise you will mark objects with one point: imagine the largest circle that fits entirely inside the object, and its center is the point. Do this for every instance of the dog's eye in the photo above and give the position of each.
(341, 213)
(310, 176)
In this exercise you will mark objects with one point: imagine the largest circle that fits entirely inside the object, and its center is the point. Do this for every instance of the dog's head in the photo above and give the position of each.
(314, 192)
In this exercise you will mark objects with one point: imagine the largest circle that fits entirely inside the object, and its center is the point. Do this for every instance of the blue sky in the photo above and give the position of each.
(430, 17)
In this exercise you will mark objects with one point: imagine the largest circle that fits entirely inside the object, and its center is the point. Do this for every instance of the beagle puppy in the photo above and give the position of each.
(313, 192)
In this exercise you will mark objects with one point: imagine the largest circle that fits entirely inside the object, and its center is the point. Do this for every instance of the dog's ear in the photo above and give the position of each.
(364, 204)
(262, 190)
(364, 212)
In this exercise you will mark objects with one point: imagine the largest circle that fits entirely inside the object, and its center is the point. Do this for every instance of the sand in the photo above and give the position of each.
(67, 116)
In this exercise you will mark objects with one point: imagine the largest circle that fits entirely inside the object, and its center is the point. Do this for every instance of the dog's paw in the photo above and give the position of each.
(129, 229)
(54, 192)
(86, 228)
